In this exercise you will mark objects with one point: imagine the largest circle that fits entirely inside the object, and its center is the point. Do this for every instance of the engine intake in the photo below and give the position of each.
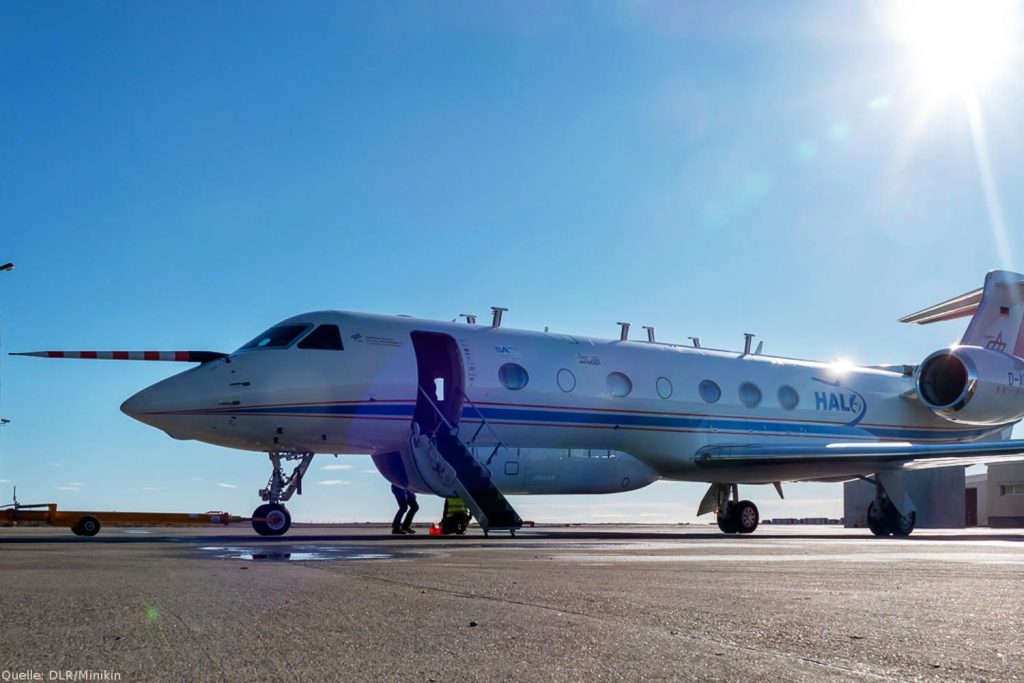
(972, 385)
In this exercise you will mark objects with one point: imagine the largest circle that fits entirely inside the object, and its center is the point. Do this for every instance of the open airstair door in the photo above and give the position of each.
(439, 366)
(438, 409)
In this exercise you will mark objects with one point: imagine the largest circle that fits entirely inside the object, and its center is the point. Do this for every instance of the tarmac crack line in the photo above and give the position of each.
(704, 640)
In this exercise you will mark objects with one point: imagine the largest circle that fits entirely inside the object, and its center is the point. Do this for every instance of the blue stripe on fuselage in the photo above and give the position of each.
(622, 420)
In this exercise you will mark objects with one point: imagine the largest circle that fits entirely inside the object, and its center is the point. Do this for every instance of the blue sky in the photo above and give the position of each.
(183, 175)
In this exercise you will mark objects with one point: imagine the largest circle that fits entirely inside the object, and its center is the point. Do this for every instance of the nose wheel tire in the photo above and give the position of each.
(271, 519)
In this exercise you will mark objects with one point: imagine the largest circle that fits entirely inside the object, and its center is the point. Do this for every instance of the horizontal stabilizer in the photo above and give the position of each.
(173, 356)
(957, 307)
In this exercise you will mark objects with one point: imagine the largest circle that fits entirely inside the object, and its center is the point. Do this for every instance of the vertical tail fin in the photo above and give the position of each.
(997, 310)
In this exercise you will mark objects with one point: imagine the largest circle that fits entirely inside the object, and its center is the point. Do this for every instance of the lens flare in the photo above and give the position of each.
(956, 46)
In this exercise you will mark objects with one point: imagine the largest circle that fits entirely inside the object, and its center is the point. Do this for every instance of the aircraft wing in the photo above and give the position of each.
(883, 455)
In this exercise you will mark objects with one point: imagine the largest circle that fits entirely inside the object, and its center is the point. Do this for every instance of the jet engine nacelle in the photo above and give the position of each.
(972, 385)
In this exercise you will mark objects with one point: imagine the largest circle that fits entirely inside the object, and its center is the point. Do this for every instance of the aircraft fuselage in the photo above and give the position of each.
(660, 403)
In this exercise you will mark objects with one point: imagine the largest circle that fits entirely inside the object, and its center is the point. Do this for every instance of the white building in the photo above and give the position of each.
(1001, 496)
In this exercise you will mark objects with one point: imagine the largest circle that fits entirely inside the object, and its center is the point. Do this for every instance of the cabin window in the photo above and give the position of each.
(664, 387)
(566, 380)
(709, 391)
(324, 338)
(788, 398)
(619, 385)
(513, 377)
(750, 395)
(277, 337)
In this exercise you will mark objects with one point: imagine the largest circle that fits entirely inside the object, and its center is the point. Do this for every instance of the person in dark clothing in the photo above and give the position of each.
(407, 506)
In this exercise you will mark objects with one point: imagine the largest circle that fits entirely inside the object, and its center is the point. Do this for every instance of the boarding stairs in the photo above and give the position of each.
(453, 462)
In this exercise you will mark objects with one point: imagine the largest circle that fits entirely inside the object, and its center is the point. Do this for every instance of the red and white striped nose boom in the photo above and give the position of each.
(173, 356)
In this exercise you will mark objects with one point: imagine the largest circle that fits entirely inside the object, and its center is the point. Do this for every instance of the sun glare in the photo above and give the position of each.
(956, 46)
(842, 366)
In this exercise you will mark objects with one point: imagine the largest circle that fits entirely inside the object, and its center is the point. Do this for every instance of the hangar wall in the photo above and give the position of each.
(937, 493)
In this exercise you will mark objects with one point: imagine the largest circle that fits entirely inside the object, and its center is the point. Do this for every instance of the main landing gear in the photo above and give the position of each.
(272, 518)
(735, 516)
(883, 516)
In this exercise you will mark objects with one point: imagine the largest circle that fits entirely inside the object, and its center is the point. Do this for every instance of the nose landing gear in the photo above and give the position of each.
(272, 518)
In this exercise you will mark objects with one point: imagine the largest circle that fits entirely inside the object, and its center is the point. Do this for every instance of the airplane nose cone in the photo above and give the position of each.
(160, 405)
(130, 407)
(142, 405)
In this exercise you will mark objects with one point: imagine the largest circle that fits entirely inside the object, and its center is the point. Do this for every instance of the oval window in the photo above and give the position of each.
(619, 385)
(664, 387)
(788, 398)
(750, 395)
(709, 391)
(566, 380)
(513, 376)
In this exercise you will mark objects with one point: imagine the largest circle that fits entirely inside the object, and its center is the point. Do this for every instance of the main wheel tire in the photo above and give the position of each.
(746, 517)
(271, 519)
(878, 520)
(727, 523)
(76, 531)
(903, 525)
(88, 526)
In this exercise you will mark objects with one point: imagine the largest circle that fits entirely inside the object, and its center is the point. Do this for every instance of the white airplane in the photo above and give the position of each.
(476, 411)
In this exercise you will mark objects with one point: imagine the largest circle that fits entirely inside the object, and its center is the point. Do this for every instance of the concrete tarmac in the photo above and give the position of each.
(552, 604)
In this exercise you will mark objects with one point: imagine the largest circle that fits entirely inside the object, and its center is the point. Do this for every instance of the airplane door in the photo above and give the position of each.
(971, 506)
(440, 376)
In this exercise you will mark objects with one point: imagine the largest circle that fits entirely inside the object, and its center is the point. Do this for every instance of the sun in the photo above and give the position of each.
(956, 47)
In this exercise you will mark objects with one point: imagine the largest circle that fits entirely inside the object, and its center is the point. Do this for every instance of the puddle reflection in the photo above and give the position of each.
(297, 553)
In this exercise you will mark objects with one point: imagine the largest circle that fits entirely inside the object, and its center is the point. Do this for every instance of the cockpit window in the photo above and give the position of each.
(325, 337)
(276, 337)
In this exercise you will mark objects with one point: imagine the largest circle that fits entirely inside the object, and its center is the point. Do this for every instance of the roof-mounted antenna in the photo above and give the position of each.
(748, 339)
(760, 346)
(470, 318)
(650, 332)
(623, 331)
(497, 311)
(696, 342)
